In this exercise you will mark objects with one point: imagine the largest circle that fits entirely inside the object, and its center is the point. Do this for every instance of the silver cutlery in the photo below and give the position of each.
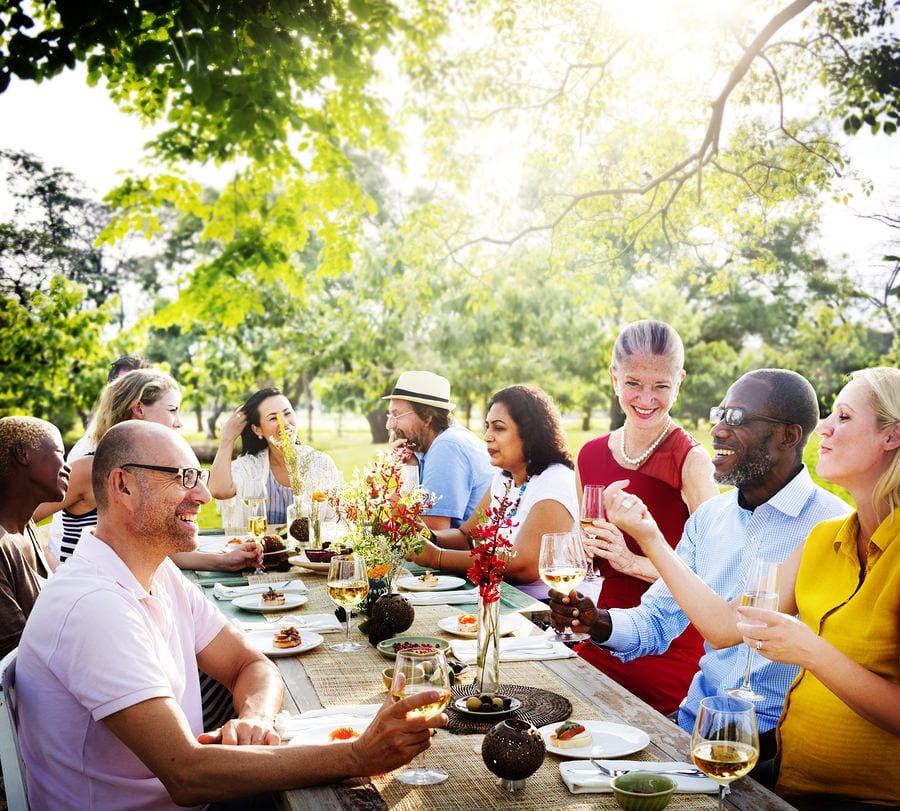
(689, 772)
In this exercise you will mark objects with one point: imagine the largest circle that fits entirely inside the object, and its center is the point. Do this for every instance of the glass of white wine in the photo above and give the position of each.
(416, 671)
(257, 522)
(347, 585)
(725, 741)
(591, 510)
(562, 566)
(761, 591)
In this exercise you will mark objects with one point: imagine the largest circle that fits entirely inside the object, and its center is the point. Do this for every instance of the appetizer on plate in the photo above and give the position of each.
(272, 597)
(429, 580)
(467, 623)
(343, 734)
(287, 637)
(570, 735)
(234, 542)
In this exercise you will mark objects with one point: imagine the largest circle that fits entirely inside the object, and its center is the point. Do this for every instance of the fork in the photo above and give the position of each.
(616, 772)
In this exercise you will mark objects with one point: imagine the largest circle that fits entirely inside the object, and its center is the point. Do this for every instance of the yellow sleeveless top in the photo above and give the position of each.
(824, 746)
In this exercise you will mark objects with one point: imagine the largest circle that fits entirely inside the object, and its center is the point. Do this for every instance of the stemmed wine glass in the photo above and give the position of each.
(416, 671)
(761, 591)
(257, 522)
(409, 478)
(591, 510)
(725, 741)
(562, 566)
(347, 585)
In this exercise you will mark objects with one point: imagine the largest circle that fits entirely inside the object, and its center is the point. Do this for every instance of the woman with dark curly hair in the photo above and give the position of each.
(526, 444)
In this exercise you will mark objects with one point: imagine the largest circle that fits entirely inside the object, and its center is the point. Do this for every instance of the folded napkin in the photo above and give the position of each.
(320, 623)
(581, 777)
(358, 716)
(230, 592)
(442, 597)
(518, 649)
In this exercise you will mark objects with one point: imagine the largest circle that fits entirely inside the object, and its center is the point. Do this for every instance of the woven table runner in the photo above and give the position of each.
(355, 678)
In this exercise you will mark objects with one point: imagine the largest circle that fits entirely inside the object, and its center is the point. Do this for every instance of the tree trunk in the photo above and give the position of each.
(378, 425)
(468, 412)
(586, 413)
(198, 413)
(211, 421)
(616, 415)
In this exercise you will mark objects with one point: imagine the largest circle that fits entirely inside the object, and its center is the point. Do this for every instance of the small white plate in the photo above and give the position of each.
(318, 568)
(253, 602)
(459, 705)
(608, 740)
(508, 624)
(263, 642)
(217, 543)
(445, 582)
(315, 727)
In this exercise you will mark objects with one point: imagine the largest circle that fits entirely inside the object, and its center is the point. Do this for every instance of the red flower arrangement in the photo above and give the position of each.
(493, 549)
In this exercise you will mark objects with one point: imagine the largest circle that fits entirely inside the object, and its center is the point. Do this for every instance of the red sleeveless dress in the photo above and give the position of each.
(661, 681)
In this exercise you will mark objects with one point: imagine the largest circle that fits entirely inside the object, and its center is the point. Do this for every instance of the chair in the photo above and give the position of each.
(10, 757)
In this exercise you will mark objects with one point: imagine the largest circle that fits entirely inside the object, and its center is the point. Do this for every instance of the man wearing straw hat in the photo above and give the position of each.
(453, 463)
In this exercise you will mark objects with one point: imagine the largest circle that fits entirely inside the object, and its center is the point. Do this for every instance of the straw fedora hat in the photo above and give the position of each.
(423, 387)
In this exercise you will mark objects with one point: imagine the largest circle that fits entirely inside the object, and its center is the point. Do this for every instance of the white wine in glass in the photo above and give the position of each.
(562, 566)
(347, 585)
(416, 672)
(761, 591)
(591, 510)
(725, 741)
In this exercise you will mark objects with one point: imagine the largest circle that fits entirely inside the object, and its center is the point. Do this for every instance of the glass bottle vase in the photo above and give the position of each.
(487, 678)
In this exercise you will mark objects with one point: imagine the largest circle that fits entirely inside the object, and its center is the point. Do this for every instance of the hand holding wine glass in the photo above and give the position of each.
(562, 566)
(725, 741)
(761, 591)
(417, 671)
(347, 585)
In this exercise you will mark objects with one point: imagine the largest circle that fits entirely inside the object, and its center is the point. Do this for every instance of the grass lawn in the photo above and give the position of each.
(351, 448)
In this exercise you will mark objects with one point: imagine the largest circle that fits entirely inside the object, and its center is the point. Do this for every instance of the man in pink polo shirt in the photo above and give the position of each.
(109, 699)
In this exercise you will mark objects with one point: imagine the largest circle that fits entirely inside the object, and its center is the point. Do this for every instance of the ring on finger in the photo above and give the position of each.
(759, 644)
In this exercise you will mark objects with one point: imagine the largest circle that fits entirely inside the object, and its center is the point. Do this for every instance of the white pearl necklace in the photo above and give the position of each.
(639, 460)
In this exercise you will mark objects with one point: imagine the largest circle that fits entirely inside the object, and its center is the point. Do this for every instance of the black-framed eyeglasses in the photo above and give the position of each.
(736, 415)
(189, 475)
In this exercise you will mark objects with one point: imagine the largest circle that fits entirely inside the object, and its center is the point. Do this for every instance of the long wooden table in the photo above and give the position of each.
(322, 678)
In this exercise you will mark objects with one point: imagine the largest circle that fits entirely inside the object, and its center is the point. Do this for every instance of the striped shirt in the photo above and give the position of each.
(720, 541)
(279, 499)
(73, 526)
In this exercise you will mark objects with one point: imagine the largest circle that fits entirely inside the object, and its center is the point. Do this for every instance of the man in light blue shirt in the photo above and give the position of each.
(453, 462)
(759, 433)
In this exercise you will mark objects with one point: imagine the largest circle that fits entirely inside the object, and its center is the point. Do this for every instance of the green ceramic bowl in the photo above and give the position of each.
(387, 649)
(643, 791)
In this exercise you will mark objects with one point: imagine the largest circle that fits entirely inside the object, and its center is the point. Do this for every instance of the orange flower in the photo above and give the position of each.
(318, 495)
(379, 571)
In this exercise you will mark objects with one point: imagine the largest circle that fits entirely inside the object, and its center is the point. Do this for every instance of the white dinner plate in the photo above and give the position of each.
(263, 642)
(508, 624)
(253, 602)
(318, 568)
(217, 543)
(608, 740)
(316, 727)
(445, 582)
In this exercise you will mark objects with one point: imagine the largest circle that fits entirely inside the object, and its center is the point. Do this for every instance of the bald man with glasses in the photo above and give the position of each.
(108, 690)
(759, 432)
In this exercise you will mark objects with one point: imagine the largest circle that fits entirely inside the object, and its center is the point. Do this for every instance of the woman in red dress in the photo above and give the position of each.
(672, 474)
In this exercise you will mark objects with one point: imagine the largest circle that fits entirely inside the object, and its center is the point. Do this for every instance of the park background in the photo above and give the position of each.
(321, 196)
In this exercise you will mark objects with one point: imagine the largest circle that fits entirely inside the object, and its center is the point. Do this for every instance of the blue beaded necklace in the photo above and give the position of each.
(515, 508)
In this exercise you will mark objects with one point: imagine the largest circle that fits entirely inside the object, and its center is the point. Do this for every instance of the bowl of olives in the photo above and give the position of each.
(487, 705)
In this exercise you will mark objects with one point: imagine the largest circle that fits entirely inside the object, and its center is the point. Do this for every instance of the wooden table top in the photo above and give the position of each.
(320, 678)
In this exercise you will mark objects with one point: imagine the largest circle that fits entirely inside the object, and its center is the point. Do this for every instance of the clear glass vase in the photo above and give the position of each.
(488, 646)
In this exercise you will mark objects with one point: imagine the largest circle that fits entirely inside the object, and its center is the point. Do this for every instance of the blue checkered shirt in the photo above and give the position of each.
(720, 540)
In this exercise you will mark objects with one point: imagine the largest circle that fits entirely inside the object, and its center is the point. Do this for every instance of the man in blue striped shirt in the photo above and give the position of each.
(759, 433)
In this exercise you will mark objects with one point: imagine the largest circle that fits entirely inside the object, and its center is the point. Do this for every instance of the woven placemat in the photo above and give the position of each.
(538, 706)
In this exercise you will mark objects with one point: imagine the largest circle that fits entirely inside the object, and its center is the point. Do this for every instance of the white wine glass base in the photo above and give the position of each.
(422, 776)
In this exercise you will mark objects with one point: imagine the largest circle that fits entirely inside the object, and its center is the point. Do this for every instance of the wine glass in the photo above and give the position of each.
(409, 478)
(725, 741)
(562, 566)
(591, 509)
(257, 522)
(761, 591)
(416, 671)
(347, 585)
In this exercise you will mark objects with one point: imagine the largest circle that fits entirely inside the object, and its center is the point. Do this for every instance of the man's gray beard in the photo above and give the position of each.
(756, 465)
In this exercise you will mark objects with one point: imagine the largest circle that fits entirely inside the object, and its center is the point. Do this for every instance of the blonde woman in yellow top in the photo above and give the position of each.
(839, 733)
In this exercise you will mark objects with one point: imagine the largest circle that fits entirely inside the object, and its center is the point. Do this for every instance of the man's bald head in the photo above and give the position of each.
(136, 441)
(28, 431)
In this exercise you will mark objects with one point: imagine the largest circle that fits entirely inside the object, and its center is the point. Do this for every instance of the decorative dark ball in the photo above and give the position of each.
(513, 749)
(393, 611)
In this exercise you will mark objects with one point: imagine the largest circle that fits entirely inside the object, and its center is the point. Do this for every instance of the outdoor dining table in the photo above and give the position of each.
(321, 678)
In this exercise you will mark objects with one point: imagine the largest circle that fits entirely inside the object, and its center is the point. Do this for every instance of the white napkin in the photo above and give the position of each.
(358, 716)
(442, 597)
(320, 623)
(518, 649)
(230, 592)
(581, 777)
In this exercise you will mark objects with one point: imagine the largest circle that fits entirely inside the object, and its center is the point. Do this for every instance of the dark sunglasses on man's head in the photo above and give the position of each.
(737, 416)
(189, 475)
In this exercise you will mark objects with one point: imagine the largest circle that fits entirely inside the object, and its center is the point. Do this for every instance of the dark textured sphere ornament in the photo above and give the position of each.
(513, 750)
